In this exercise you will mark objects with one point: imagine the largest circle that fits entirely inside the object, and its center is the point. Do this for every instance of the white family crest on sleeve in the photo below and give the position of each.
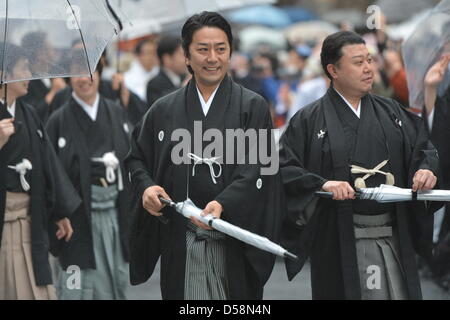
(61, 142)
(259, 183)
(126, 128)
(321, 134)
(161, 135)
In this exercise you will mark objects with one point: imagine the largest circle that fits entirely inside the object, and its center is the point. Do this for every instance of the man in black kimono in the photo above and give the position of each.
(113, 89)
(438, 116)
(91, 136)
(36, 196)
(197, 262)
(172, 69)
(351, 138)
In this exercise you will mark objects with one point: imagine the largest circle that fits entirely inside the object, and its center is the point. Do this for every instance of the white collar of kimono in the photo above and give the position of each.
(174, 78)
(11, 108)
(358, 111)
(90, 110)
(206, 104)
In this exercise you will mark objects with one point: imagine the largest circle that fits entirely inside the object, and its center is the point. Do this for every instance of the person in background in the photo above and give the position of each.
(143, 69)
(36, 196)
(41, 91)
(91, 136)
(172, 69)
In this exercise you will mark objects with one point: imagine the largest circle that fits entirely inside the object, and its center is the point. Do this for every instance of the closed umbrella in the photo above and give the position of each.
(188, 209)
(385, 194)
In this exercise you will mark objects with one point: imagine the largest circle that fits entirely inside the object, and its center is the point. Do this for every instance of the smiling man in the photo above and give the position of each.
(91, 137)
(197, 262)
(352, 139)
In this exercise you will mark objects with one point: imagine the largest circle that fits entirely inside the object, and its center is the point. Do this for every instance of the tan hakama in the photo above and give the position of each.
(17, 280)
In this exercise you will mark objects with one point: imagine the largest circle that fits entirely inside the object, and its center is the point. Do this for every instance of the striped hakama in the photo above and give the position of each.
(380, 270)
(205, 273)
(109, 281)
(17, 280)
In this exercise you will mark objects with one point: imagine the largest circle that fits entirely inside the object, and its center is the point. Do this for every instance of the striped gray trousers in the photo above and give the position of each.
(205, 272)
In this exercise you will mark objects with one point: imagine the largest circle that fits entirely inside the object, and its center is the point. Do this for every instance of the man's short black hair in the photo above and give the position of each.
(167, 45)
(141, 44)
(198, 21)
(332, 47)
(13, 55)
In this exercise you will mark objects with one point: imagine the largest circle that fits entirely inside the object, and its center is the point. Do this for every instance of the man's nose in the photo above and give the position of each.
(367, 67)
(212, 56)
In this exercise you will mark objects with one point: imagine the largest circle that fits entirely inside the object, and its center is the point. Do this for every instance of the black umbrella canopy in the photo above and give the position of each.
(48, 30)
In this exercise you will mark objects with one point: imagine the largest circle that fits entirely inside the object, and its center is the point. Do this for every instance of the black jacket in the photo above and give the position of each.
(75, 159)
(158, 87)
(53, 197)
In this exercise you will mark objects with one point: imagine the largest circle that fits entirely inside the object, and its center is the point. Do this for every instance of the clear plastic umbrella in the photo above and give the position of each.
(430, 39)
(47, 30)
(188, 209)
(386, 194)
(154, 16)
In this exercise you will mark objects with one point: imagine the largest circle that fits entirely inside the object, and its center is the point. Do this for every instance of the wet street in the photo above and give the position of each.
(278, 287)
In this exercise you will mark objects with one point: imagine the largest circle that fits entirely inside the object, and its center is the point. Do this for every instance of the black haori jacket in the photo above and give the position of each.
(250, 200)
(52, 194)
(74, 156)
(313, 150)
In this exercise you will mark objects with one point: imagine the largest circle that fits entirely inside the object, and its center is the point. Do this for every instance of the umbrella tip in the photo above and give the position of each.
(290, 256)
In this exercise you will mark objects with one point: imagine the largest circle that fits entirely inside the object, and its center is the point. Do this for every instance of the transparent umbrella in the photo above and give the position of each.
(429, 40)
(188, 209)
(152, 16)
(47, 30)
(254, 36)
(309, 31)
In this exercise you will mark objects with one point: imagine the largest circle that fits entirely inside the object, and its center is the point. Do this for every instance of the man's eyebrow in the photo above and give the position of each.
(362, 56)
(206, 44)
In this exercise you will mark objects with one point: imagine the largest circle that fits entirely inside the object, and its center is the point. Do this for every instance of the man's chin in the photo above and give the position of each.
(214, 81)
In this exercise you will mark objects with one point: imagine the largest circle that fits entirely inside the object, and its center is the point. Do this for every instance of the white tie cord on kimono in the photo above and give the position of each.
(112, 164)
(22, 168)
(210, 162)
(361, 182)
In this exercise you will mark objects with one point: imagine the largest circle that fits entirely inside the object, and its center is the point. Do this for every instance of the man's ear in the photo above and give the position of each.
(331, 68)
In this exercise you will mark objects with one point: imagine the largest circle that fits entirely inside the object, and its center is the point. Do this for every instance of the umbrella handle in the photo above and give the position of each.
(163, 219)
(329, 195)
(324, 194)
